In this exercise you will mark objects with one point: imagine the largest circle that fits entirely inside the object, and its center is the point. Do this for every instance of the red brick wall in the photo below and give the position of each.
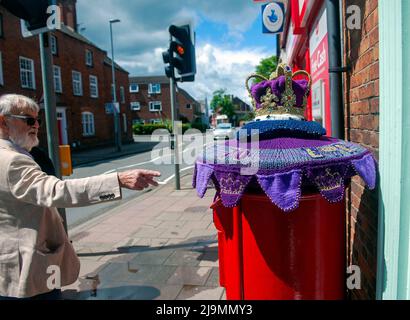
(70, 56)
(361, 98)
(144, 98)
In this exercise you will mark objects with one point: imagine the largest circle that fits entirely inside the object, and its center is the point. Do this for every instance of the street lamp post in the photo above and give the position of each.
(114, 95)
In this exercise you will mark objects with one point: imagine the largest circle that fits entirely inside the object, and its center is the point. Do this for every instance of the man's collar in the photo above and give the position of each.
(7, 144)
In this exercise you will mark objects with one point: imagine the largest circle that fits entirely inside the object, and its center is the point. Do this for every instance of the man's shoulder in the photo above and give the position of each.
(9, 156)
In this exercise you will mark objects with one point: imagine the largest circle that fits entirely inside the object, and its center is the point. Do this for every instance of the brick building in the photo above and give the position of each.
(306, 45)
(150, 101)
(361, 104)
(241, 111)
(82, 80)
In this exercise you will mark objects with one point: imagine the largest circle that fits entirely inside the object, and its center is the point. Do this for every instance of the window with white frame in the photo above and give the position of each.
(155, 106)
(138, 121)
(155, 121)
(89, 58)
(93, 87)
(1, 70)
(122, 95)
(124, 122)
(135, 106)
(134, 88)
(54, 46)
(27, 73)
(154, 88)
(58, 87)
(88, 123)
(189, 106)
(77, 83)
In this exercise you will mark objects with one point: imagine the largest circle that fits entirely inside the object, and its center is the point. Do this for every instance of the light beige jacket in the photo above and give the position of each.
(32, 236)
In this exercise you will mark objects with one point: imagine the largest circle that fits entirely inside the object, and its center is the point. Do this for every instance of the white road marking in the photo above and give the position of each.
(152, 160)
(172, 176)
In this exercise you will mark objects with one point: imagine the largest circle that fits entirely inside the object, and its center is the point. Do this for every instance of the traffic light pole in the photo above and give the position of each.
(174, 134)
(50, 107)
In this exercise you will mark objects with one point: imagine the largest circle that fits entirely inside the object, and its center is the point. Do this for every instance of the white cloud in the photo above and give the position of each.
(219, 68)
(142, 36)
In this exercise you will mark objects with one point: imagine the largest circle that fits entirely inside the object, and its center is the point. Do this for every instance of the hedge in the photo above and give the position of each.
(150, 128)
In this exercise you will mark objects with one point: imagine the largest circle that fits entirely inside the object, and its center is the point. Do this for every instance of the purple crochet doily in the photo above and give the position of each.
(281, 177)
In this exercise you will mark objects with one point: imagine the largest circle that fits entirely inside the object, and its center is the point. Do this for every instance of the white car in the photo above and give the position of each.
(224, 131)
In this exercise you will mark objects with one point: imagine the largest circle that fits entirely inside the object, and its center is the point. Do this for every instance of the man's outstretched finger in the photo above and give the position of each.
(150, 173)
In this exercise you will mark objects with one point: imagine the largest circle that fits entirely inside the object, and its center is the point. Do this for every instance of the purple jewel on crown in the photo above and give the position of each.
(230, 185)
(281, 94)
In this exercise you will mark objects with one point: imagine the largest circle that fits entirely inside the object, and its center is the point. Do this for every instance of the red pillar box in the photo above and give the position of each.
(272, 255)
(293, 256)
(279, 209)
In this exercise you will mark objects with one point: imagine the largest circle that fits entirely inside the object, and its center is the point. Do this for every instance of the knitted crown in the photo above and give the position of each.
(281, 93)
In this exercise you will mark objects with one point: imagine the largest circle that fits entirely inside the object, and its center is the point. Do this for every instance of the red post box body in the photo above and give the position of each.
(265, 253)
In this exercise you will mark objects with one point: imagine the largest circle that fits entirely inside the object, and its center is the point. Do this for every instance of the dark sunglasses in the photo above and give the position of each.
(29, 120)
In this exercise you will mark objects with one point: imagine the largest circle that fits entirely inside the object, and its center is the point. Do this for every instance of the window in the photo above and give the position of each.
(88, 124)
(134, 87)
(112, 93)
(1, 26)
(1, 70)
(93, 87)
(77, 83)
(135, 106)
(138, 121)
(154, 88)
(27, 73)
(155, 106)
(89, 58)
(57, 79)
(122, 94)
(154, 121)
(54, 47)
(124, 122)
(189, 106)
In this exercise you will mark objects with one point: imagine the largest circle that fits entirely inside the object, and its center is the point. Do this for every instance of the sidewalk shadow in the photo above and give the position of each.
(198, 245)
(123, 292)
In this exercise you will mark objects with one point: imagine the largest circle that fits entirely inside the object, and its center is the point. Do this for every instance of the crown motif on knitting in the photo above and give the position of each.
(281, 93)
(329, 181)
(230, 185)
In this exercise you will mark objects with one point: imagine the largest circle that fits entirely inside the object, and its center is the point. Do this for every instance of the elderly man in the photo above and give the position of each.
(32, 237)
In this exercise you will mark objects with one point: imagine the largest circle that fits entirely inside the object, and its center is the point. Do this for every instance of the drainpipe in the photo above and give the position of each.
(335, 68)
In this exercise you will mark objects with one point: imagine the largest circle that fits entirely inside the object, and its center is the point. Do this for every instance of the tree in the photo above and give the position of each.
(266, 67)
(222, 103)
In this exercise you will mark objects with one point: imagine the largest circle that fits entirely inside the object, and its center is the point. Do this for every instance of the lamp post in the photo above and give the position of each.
(114, 95)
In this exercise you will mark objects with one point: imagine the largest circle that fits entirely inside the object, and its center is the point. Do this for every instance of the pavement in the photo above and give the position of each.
(161, 245)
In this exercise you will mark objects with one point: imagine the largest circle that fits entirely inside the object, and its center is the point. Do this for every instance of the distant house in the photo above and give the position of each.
(150, 101)
(82, 80)
(241, 109)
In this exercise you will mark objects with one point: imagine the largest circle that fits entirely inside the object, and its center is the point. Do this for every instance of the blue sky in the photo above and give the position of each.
(229, 38)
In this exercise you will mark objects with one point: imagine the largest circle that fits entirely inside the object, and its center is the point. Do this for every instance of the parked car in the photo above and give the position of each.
(224, 131)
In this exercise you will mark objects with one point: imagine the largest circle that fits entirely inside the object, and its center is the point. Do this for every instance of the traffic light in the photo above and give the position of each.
(34, 12)
(181, 53)
(169, 69)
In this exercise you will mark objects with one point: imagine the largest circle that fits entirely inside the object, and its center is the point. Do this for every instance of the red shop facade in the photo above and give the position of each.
(305, 44)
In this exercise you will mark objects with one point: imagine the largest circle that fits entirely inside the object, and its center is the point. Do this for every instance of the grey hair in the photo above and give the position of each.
(17, 104)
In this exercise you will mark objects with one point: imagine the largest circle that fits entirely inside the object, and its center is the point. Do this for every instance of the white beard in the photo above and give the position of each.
(26, 141)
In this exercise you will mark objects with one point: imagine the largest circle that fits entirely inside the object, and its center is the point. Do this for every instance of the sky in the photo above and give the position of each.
(229, 39)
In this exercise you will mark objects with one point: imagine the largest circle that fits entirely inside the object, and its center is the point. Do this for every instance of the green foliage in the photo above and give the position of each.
(266, 67)
(222, 102)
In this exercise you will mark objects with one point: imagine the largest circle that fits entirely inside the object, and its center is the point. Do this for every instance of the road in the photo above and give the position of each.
(154, 160)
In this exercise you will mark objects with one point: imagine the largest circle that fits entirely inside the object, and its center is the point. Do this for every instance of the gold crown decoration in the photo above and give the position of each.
(276, 95)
